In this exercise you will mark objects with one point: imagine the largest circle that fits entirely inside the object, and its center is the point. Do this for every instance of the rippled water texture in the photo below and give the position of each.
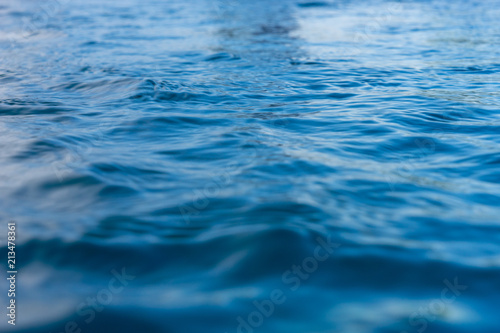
(207, 148)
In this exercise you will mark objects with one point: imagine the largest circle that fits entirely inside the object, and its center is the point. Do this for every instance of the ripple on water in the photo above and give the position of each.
(205, 146)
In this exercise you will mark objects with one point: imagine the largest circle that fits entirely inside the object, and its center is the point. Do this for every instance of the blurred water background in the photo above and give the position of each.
(205, 149)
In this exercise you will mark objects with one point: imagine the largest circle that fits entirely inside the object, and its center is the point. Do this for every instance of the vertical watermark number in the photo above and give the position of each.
(11, 272)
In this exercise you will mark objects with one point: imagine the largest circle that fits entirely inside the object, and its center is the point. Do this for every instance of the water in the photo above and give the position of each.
(206, 147)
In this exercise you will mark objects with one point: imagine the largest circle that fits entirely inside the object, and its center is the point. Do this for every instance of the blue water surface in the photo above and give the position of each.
(252, 166)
